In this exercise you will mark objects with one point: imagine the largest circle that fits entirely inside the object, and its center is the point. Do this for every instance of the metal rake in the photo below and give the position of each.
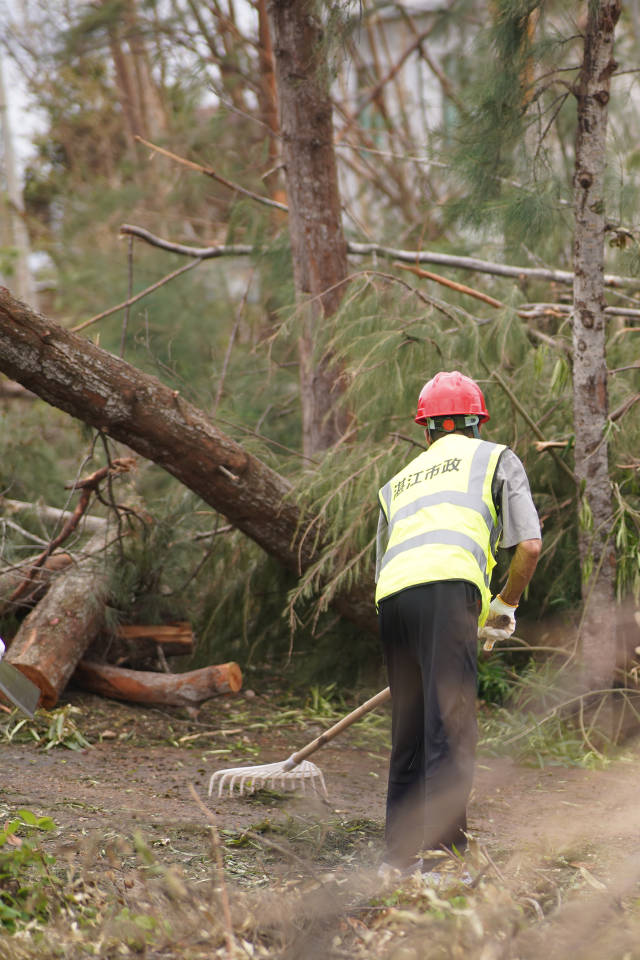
(296, 770)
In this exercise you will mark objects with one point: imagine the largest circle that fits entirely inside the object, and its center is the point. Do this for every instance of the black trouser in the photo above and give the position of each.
(429, 636)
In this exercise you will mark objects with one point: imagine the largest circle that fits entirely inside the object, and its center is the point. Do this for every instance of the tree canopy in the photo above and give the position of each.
(462, 149)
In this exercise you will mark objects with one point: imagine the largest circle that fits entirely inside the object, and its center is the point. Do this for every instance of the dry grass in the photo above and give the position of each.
(324, 901)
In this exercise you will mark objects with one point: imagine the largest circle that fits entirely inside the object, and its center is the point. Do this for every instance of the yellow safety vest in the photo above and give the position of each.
(442, 519)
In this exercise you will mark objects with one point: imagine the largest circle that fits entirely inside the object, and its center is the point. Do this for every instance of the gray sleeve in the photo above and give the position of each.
(381, 541)
(518, 513)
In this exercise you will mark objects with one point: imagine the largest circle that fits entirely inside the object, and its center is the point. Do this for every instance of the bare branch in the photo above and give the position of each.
(624, 407)
(199, 253)
(481, 266)
(88, 486)
(209, 172)
(45, 512)
(138, 296)
(350, 119)
(406, 256)
(485, 298)
(452, 284)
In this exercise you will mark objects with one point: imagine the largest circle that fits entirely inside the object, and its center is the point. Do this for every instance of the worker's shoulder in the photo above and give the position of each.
(511, 470)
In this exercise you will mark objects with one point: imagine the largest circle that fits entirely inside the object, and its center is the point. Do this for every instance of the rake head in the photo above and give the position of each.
(284, 774)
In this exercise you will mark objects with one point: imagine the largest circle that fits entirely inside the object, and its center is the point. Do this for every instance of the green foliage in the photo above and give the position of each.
(538, 741)
(511, 176)
(39, 452)
(494, 683)
(225, 334)
(627, 537)
(48, 728)
(29, 892)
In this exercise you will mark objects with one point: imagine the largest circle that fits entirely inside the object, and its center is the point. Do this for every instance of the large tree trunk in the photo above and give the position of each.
(76, 376)
(597, 555)
(318, 246)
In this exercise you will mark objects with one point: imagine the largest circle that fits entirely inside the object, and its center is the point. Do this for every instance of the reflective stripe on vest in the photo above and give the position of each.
(442, 499)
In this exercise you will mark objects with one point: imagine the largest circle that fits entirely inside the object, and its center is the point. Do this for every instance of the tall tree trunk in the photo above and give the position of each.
(151, 108)
(318, 245)
(597, 555)
(76, 376)
(132, 124)
(269, 104)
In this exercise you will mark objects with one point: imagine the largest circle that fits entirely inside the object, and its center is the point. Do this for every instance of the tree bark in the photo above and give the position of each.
(173, 689)
(76, 376)
(150, 105)
(318, 246)
(269, 105)
(590, 399)
(55, 635)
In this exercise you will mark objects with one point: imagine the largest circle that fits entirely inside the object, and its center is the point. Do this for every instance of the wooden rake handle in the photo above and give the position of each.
(341, 725)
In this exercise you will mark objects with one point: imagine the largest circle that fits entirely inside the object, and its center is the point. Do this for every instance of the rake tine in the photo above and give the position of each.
(296, 770)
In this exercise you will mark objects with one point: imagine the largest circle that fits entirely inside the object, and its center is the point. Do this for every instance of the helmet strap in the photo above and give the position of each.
(450, 424)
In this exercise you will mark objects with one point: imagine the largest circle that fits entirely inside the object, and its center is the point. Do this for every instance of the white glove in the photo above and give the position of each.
(500, 623)
(2, 649)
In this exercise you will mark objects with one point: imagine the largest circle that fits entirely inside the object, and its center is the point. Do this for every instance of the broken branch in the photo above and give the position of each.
(138, 296)
(209, 172)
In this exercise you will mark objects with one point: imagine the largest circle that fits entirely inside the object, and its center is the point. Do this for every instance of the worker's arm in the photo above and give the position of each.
(521, 570)
(501, 619)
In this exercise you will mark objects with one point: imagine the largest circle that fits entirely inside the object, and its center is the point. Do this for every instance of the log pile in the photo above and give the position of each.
(64, 638)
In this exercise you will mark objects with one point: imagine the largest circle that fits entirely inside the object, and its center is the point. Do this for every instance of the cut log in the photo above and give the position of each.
(168, 635)
(143, 645)
(144, 686)
(53, 638)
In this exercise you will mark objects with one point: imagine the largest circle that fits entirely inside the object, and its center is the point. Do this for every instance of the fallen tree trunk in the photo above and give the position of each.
(155, 421)
(143, 686)
(53, 638)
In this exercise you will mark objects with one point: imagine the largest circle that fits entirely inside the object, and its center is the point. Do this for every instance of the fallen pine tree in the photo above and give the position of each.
(75, 375)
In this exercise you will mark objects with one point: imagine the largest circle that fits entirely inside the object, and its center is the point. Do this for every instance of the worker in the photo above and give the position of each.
(441, 518)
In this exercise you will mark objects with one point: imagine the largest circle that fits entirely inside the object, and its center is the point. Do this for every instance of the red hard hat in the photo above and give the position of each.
(448, 394)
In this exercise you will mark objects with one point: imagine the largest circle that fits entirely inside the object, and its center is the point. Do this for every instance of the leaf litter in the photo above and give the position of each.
(553, 867)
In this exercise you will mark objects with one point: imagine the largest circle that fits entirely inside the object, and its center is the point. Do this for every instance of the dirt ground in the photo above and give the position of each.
(135, 777)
